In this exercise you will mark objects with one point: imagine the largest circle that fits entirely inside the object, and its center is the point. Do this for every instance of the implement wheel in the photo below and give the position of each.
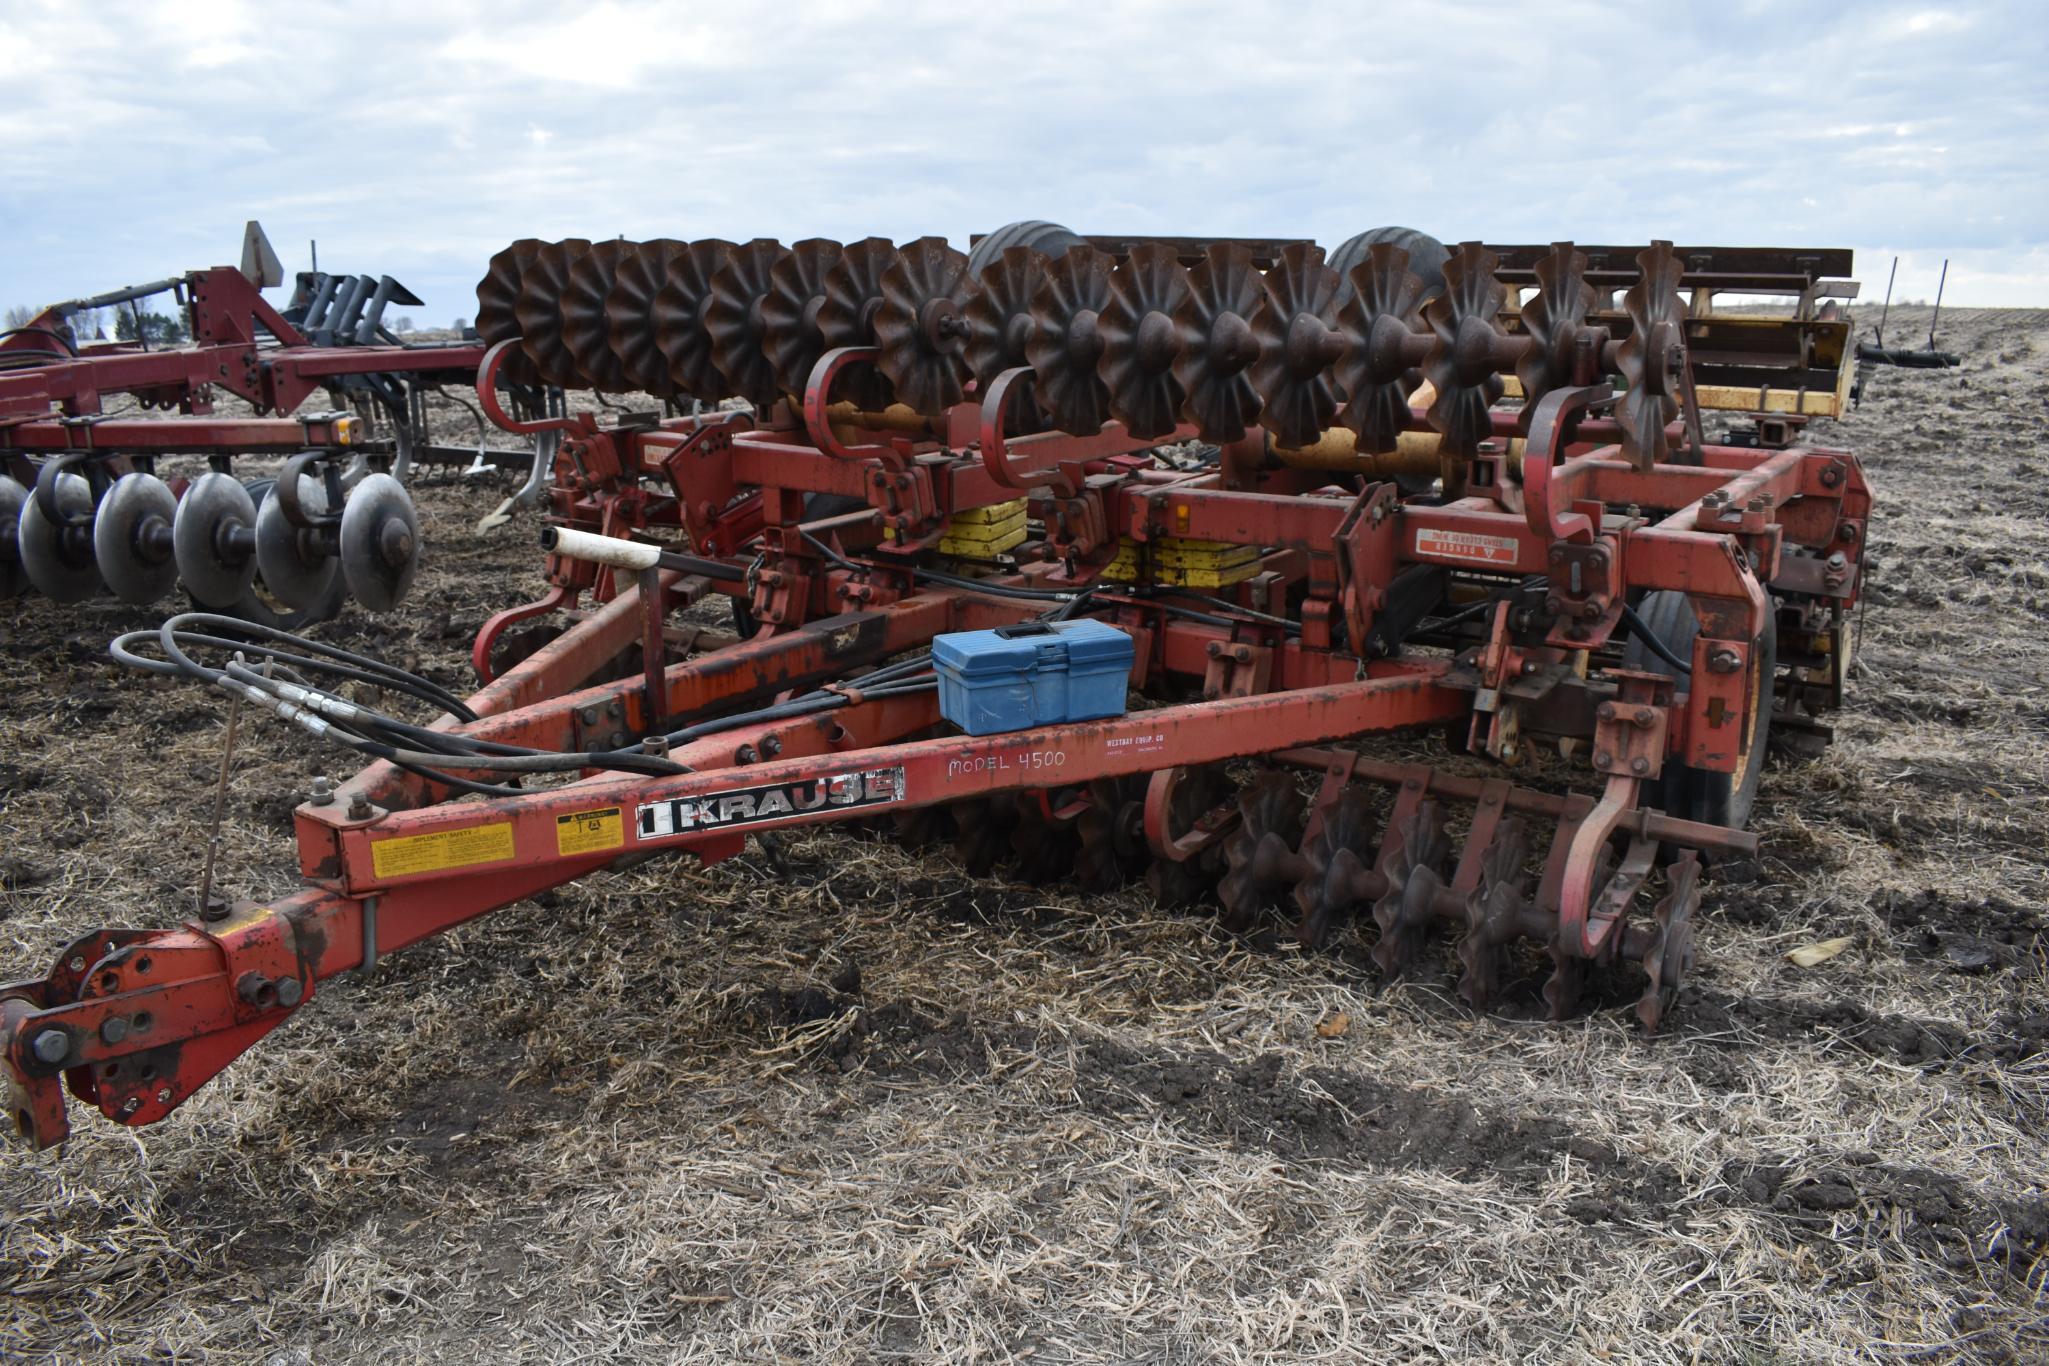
(1699, 794)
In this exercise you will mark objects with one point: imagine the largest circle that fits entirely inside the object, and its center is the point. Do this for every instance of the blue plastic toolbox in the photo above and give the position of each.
(1035, 674)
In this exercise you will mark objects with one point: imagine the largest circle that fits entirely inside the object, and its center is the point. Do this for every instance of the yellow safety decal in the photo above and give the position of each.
(586, 832)
(411, 854)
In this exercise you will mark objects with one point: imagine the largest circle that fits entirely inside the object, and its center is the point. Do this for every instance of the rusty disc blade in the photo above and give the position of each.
(791, 338)
(1381, 311)
(1343, 847)
(1296, 327)
(853, 295)
(1217, 343)
(734, 320)
(919, 330)
(630, 316)
(999, 313)
(1656, 328)
(680, 331)
(1553, 321)
(1066, 344)
(539, 311)
(1141, 341)
(1270, 810)
(498, 304)
(1466, 319)
(586, 328)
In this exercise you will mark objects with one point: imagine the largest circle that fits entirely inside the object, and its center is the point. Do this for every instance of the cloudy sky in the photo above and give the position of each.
(417, 138)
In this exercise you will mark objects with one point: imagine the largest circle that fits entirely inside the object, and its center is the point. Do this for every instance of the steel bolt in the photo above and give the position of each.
(1554, 604)
(131, 1105)
(251, 987)
(771, 746)
(52, 1046)
(1607, 711)
(1645, 716)
(1215, 648)
(323, 792)
(745, 755)
(359, 807)
(589, 715)
(1639, 766)
(114, 1028)
(1603, 758)
(163, 1095)
(1723, 661)
(289, 991)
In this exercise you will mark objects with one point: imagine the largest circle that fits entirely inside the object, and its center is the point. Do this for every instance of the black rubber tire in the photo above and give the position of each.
(1698, 794)
(1048, 238)
(1426, 257)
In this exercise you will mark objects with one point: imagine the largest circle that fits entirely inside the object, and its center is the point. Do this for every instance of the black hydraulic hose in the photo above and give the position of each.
(1651, 642)
(70, 347)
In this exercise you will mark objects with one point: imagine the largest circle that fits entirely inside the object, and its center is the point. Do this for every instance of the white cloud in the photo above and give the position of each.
(417, 137)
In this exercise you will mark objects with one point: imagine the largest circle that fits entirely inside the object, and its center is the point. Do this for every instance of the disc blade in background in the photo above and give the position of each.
(295, 570)
(380, 542)
(13, 578)
(214, 576)
(131, 538)
(57, 563)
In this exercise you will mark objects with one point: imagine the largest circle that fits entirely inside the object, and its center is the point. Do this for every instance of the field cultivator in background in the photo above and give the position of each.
(1274, 491)
(82, 510)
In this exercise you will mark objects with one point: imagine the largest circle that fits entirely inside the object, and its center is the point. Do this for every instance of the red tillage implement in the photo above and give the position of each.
(1585, 578)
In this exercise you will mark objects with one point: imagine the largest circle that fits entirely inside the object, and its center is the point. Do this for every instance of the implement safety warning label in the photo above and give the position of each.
(411, 854)
(588, 832)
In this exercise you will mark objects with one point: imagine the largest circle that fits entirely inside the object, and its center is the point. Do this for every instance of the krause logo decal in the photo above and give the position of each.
(769, 802)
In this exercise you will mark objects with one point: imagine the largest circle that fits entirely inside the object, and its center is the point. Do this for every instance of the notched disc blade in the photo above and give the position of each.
(734, 320)
(630, 317)
(1066, 343)
(380, 542)
(131, 538)
(539, 311)
(1552, 321)
(213, 572)
(498, 304)
(1656, 319)
(12, 577)
(296, 569)
(1217, 342)
(1296, 327)
(792, 339)
(919, 331)
(853, 296)
(680, 330)
(1141, 342)
(586, 330)
(1381, 311)
(1466, 319)
(999, 313)
(59, 560)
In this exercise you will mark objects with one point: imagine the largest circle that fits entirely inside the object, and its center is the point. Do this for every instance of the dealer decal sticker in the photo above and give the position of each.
(1467, 545)
(743, 806)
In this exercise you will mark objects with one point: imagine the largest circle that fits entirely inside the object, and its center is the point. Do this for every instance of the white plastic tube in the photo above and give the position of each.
(606, 550)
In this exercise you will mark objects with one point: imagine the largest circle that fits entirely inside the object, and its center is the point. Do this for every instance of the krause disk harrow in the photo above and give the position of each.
(944, 446)
(82, 510)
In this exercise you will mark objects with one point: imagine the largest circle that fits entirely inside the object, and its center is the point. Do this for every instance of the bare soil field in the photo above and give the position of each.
(840, 1102)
